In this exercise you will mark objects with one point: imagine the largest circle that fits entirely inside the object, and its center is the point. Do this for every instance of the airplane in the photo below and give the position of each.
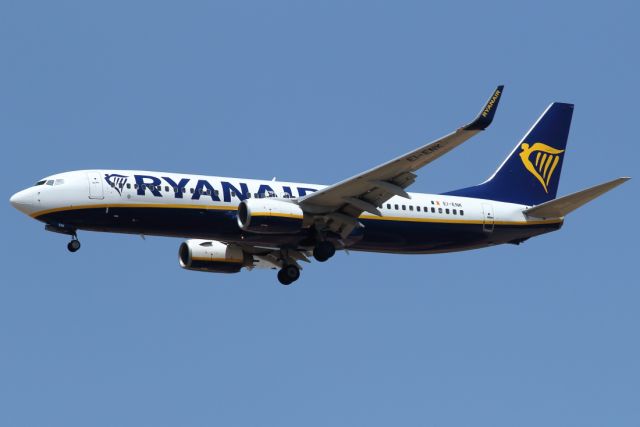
(232, 223)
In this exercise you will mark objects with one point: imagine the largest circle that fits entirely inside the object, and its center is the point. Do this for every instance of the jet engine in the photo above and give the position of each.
(212, 256)
(270, 216)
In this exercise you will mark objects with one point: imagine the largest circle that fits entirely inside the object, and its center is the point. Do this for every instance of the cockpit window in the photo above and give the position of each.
(50, 182)
(59, 182)
(40, 182)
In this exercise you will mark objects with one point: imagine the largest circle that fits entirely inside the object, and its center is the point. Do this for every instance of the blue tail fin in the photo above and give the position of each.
(530, 175)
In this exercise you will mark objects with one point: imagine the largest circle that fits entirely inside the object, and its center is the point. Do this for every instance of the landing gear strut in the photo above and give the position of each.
(323, 251)
(288, 274)
(74, 244)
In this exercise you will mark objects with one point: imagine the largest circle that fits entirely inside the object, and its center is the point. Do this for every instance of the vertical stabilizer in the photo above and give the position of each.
(531, 173)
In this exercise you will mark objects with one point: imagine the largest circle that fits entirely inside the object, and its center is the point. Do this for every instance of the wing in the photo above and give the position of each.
(364, 192)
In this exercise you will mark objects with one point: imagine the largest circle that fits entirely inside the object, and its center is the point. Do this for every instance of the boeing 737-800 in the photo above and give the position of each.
(232, 223)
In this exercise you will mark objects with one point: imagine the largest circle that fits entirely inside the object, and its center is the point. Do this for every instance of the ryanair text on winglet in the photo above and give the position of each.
(492, 101)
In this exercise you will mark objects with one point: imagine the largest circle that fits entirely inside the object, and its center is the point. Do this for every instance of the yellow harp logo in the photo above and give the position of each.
(543, 163)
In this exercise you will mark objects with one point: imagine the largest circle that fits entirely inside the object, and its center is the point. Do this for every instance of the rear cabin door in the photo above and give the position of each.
(95, 186)
(487, 218)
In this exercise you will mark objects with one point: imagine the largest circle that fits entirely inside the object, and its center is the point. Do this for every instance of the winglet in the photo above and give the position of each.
(485, 117)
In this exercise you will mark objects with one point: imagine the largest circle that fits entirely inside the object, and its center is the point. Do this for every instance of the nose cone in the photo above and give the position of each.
(22, 200)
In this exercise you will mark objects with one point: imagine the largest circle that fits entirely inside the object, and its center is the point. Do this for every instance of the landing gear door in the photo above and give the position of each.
(95, 186)
(487, 219)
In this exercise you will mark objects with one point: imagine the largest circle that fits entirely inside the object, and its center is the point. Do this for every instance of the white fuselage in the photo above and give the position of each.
(115, 194)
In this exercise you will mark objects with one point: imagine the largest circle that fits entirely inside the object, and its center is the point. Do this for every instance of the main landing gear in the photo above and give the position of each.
(289, 274)
(74, 244)
(323, 251)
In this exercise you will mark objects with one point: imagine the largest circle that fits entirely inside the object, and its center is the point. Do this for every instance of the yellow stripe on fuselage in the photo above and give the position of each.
(130, 205)
(457, 221)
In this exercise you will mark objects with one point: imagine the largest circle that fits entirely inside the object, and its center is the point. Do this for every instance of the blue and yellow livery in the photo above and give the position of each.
(233, 223)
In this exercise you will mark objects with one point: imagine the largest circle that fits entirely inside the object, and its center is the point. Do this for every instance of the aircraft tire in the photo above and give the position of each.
(282, 278)
(74, 245)
(288, 274)
(323, 251)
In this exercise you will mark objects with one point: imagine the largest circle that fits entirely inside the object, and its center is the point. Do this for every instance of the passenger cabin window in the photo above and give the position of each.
(447, 211)
(404, 207)
(418, 208)
(461, 212)
(128, 186)
(455, 212)
(388, 205)
(396, 207)
(439, 210)
(410, 207)
(433, 210)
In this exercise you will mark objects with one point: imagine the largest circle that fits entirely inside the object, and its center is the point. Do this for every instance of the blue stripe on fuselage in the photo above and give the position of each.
(378, 235)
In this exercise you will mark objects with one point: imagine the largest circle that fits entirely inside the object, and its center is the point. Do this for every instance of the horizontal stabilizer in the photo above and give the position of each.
(560, 207)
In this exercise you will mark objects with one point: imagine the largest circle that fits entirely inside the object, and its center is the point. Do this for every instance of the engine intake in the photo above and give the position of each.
(269, 216)
(212, 256)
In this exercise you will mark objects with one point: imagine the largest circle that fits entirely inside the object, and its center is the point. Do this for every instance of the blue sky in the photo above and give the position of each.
(117, 334)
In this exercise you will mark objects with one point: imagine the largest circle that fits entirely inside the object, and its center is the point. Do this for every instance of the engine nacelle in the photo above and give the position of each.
(270, 216)
(212, 256)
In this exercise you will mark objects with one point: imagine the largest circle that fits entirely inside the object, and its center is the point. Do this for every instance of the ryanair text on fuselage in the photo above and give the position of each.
(204, 188)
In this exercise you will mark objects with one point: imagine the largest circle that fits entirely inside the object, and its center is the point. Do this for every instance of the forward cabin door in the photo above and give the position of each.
(95, 186)
(487, 218)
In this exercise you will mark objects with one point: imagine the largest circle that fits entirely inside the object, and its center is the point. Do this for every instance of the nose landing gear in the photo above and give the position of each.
(74, 244)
